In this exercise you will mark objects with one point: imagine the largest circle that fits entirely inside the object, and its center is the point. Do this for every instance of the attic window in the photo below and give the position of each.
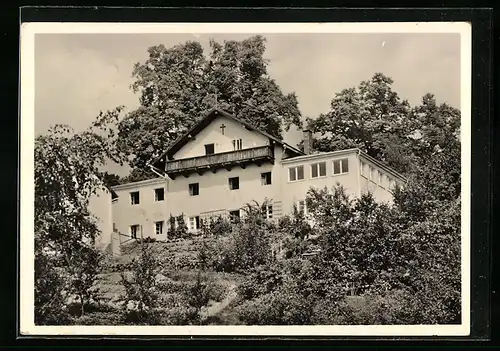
(209, 149)
(237, 144)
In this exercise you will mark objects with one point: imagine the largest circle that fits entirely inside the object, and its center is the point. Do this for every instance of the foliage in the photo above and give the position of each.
(248, 245)
(261, 280)
(138, 174)
(111, 179)
(378, 264)
(49, 287)
(178, 85)
(177, 227)
(362, 117)
(142, 291)
(67, 174)
(218, 226)
(295, 232)
(278, 308)
(372, 117)
(83, 266)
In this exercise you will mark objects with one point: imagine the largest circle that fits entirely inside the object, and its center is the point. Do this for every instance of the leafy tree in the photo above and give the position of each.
(373, 117)
(111, 179)
(178, 85)
(83, 265)
(363, 117)
(67, 174)
(138, 174)
(49, 284)
(142, 290)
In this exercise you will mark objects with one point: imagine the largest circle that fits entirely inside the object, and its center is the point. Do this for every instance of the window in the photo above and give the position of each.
(134, 229)
(301, 206)
(296, 173)
(194, 223)
(318, 170)
(341, 166)
(134, 198)
(159, 228)
(159, 194)
(194, 189)
(209, 149)
(268, 211)
(234, 216)
(234, 183)
(380, 178)
(237, 144)
(114, 227)
(265, 178)
(372, 174)
(362, 169)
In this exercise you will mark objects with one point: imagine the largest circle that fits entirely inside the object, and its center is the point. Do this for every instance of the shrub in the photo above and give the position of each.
(50, 306)
(217, 226)
(142, 294)
(277, 308)
(262, 280)
(217, 291)
(85, 265)
(177, 228)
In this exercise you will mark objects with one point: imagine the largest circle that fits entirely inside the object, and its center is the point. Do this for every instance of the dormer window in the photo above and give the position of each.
(237, 144)
(209, 149)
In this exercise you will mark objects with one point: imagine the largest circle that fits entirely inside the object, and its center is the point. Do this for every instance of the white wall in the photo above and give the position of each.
(380, 188)
(297, 190)
(146, 213)
(215, 194)
(223, 143)
(100, 207)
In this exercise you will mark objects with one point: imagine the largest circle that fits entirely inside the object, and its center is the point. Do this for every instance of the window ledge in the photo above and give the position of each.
(312, 178)
(339, 174)
(296, 181)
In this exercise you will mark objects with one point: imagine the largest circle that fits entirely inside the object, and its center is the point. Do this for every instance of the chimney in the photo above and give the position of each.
(307, 141)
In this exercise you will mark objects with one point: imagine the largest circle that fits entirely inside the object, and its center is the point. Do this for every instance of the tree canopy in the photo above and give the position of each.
(374, 118)
(178, 85)
(67, 173)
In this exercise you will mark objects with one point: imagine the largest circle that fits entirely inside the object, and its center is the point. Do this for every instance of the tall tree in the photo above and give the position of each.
(375, 119)
(67, 174)
(178, 85)
(367, 117)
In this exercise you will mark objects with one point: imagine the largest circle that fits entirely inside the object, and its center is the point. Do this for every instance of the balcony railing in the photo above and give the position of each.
(226, 160)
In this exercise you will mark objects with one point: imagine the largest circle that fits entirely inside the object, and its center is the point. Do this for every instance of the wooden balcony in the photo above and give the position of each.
(214, 162)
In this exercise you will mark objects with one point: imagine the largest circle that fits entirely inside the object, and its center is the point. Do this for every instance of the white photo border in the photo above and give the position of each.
(26, 269)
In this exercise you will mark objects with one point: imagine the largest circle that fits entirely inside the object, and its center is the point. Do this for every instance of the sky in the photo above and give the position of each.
(79, 75)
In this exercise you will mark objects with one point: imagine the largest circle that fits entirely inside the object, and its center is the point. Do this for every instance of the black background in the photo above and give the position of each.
(485, 155)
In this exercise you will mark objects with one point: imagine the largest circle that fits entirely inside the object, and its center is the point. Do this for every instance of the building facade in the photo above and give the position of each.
(101, 208)
(222, 164)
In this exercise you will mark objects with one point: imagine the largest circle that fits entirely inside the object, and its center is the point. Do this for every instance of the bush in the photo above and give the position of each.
(277, 308)
(177, 228)
(261, 280)
(142, 294)
(50, 306)
(217, 226)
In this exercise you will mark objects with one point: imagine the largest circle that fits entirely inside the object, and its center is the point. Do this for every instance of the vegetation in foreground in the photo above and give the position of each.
(377, 263)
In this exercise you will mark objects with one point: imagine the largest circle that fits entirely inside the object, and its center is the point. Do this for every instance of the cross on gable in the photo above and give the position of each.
(222, 127)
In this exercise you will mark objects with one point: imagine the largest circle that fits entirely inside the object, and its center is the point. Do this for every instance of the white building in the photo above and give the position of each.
(223, 163)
